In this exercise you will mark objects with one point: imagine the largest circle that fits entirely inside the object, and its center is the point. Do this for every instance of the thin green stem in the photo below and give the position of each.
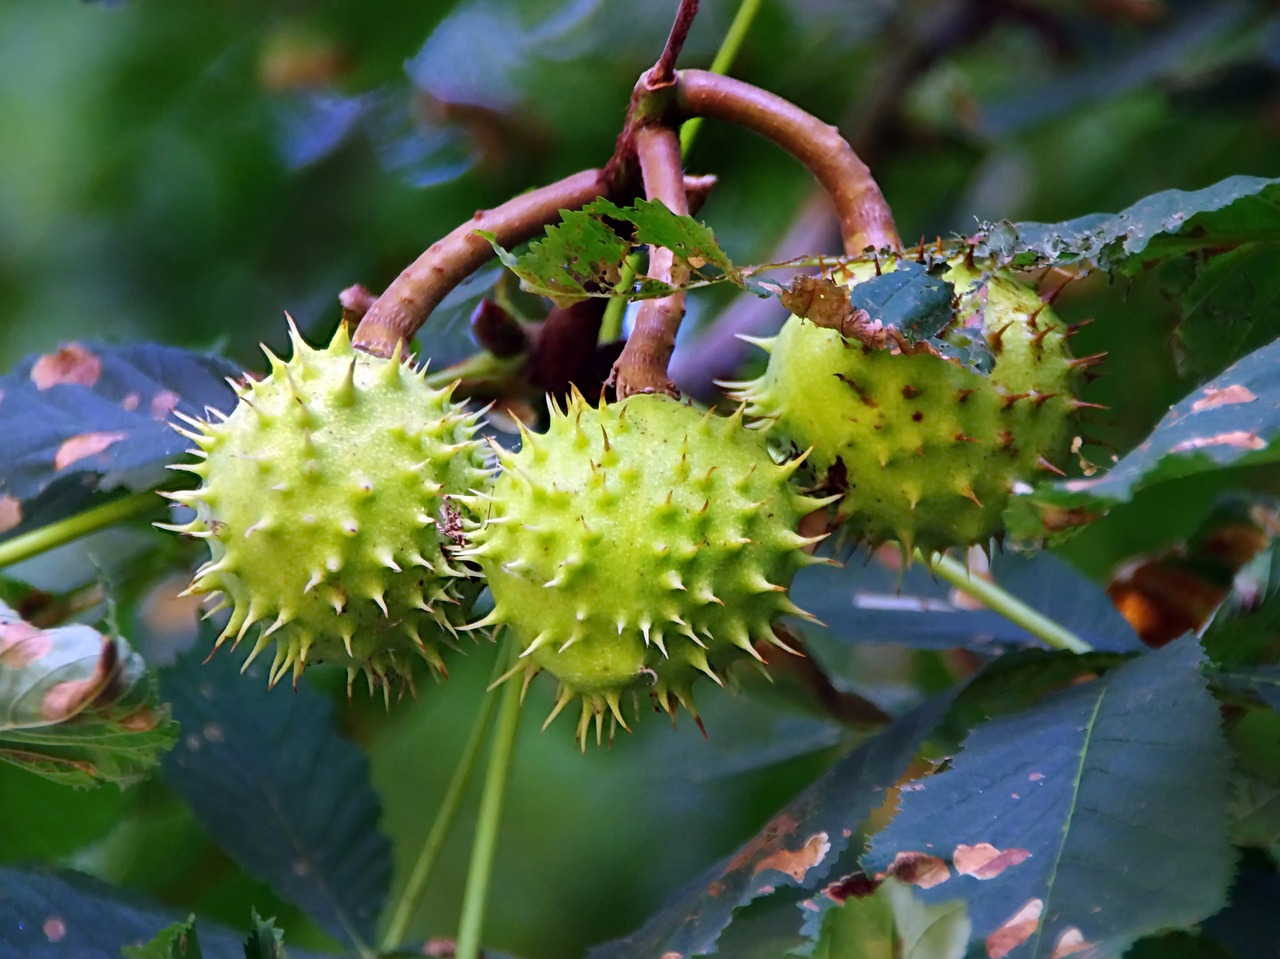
(486, 839)
(412, 894)
(728, 52)
(74, 527)
(611, 322)
(1008, 606)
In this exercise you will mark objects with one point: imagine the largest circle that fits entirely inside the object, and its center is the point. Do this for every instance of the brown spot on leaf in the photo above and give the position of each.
(796, 863)
(67, 699)
(1239, 438)
(1224, 397)
(22, 644)
(164, 403)
(985, 861)
(10, 513)
(1016, 930)
(917, 869)
(86, 444)
(131, 401)
(54, 929)
(70, 364)
(1069, 943)
(857, 886)
(1036, 777)
(140, 721)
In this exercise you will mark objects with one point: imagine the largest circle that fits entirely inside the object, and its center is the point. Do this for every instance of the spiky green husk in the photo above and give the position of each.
(637, 545)
(329, 504)
(925, 451)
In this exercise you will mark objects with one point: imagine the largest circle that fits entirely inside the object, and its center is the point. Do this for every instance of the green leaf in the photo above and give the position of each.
(578, 257)
(57, 821)
(1090, 820)
(796, 848)
(279, 789)
(57, 915)
(1232, 212)
(908, 298)
(178, 941)
(1255, 814)
(76, 705)
(692, 242)
(583, 254)
(861, 928)
(265, 941)
(893, 923)
(101, 413)
(1234, 420)
(939, 931)
(1229, 305)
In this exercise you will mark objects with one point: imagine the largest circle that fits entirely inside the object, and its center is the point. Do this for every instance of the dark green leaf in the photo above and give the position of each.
(1178, 945)
(66, 915)
(1261, 682)
(1235, 211)
(796, 848)
(869, 603)
(909, 298)
(76, 705)
(103, 411)
(179, 941)
(1232, 421)
(273, 782)
(1250, 925)
(1096, 817)
(1230, 306)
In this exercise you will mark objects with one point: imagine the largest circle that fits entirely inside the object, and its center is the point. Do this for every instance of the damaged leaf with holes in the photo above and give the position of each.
(76, 705)
(1233, 420)
(1085, 822)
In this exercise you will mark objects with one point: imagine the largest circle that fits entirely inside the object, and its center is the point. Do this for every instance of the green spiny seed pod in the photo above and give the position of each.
(330, 506)
(637, 545)
(925, 449)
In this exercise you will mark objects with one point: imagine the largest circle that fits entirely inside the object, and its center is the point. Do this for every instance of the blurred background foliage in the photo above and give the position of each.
(184, 172)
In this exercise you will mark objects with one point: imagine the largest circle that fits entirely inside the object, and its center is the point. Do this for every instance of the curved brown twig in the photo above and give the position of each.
(404, 306)
(642, 367)
(865, 218)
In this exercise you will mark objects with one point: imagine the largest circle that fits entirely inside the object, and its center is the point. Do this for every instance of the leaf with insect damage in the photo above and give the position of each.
(796, 848)
(99, 415)
(1085, 822)
(583, 255)
(77, 705)
(1232, 213)
(1234, 420)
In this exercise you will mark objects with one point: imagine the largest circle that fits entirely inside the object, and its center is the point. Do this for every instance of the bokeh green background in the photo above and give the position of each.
(187, 171)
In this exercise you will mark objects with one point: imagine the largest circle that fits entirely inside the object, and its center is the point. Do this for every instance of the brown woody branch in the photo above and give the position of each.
(865, 218)
(642, 367)
(404, 306)
(663, 71)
